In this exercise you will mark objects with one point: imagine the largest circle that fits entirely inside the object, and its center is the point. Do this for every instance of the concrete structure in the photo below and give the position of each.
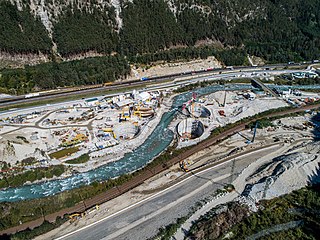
(143, 96)
(124, 103)
(250, 96)
(92, 102)
(199, 111)
(190, 128)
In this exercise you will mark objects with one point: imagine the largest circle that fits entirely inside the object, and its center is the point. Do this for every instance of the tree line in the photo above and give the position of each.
(281, 31)
(51, 75)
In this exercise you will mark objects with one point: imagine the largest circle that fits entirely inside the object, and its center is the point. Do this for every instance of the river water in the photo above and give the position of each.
(157, 142)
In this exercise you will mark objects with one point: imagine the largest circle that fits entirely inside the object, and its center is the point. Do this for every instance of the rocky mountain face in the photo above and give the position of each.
(274, 30)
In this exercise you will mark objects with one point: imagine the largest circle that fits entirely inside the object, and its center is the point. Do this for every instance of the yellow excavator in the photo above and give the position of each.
(74, 217)
(183, 166)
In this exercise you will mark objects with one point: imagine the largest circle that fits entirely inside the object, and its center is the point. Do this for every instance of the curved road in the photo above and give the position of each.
(142, 220)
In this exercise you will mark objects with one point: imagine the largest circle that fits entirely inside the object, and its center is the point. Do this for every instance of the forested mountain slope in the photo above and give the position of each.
(150, 30)
(273, 29)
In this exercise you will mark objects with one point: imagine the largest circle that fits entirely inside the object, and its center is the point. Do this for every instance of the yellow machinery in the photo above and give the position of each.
(137, 112)
(109, 130)
(107, 84)
(74, 217)
(183, 166)
(125, 114)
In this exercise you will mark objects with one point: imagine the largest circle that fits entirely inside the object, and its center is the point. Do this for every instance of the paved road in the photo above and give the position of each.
(144, 220)
(247, 72)
(225, 73)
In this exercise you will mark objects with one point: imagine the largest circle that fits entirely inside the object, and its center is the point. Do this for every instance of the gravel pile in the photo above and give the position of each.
(286, 173)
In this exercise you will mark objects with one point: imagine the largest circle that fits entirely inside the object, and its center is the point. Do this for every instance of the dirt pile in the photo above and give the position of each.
(285, 173)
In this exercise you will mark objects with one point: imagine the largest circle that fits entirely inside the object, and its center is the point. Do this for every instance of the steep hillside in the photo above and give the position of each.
(276, 30)
(22, 32)
(145, 31)
(293, 216)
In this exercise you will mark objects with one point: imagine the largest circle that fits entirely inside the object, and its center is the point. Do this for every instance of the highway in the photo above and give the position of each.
(218, 72)
(142, 221)
(156, 86)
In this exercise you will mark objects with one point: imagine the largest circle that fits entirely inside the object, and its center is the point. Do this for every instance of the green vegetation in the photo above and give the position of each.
(288, 80)
(82, 159)
(18, 179)
(284, 30)
(229, 57)
(79, 31)
(20, 32)
(263, 123)
(303, 204)
(166, 233)
(28, 161)
(277, 31)
(64, 152)
(306, 81)
(45, 227)
(299, 205)
(89, 71)
(148, 26)
(194, 86)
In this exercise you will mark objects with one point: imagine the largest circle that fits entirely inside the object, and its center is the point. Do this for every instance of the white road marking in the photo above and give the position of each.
(156, 194)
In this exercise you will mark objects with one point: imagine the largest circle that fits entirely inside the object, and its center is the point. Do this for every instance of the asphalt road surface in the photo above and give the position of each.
(18, 100)
(143, 220)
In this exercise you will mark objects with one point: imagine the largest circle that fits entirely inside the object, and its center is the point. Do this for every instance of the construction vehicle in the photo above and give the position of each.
(183, 166)
(137, 111)
(190, 102)
(107, 84)
(76, 216)
(124, 116)
(222, 113)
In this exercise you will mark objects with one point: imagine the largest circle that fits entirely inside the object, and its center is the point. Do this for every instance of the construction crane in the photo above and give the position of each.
(254, 134)
(190, 102)
(225, 98)
(76, 216)
(223, 104)
(254, 131)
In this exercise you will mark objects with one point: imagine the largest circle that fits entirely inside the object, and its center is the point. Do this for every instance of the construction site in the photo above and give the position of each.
(90, 133)
(103, 137)
(98, 128)
(283, 155)
(201, 115)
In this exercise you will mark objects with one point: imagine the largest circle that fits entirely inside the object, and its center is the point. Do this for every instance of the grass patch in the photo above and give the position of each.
(82, 159)
(64, 152)
(16, 180)
(45, 227)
